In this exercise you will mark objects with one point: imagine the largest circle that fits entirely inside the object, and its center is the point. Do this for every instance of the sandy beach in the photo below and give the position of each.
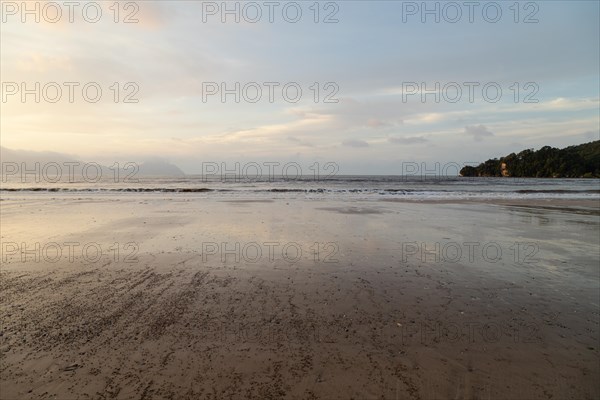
(182, 297)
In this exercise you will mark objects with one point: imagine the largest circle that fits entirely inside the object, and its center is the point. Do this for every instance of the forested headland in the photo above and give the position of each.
(581, 161)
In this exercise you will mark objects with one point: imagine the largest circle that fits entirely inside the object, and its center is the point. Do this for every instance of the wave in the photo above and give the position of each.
(91, 190)
(529, 191)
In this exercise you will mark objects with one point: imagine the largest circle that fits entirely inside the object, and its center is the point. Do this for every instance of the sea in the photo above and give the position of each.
(359, 187)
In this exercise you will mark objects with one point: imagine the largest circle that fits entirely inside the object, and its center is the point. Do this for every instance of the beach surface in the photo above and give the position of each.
(144, 296)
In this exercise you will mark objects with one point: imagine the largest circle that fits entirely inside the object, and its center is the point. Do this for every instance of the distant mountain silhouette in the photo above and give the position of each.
(31, 157)
(25, 159)
(159, 168)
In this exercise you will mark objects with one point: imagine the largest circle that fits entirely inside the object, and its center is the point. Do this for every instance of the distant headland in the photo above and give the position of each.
(581, 161)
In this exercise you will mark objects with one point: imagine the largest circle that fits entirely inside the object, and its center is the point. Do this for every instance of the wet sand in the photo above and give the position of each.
(203, 298)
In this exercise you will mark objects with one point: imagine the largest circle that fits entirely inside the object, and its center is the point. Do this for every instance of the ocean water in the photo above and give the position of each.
(338, 187)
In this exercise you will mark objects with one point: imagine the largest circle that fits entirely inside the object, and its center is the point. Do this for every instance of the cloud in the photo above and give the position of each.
(300, 142)
(355, 143)
(428, 118)
(39, 62)
(376, 123)
(152, 15)
(478, 132)
(591, 135)
(407, 140)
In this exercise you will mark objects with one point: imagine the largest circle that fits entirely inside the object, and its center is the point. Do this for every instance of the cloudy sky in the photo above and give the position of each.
(381, 82)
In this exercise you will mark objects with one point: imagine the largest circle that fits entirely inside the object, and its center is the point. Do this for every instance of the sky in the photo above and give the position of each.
(380, 82)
